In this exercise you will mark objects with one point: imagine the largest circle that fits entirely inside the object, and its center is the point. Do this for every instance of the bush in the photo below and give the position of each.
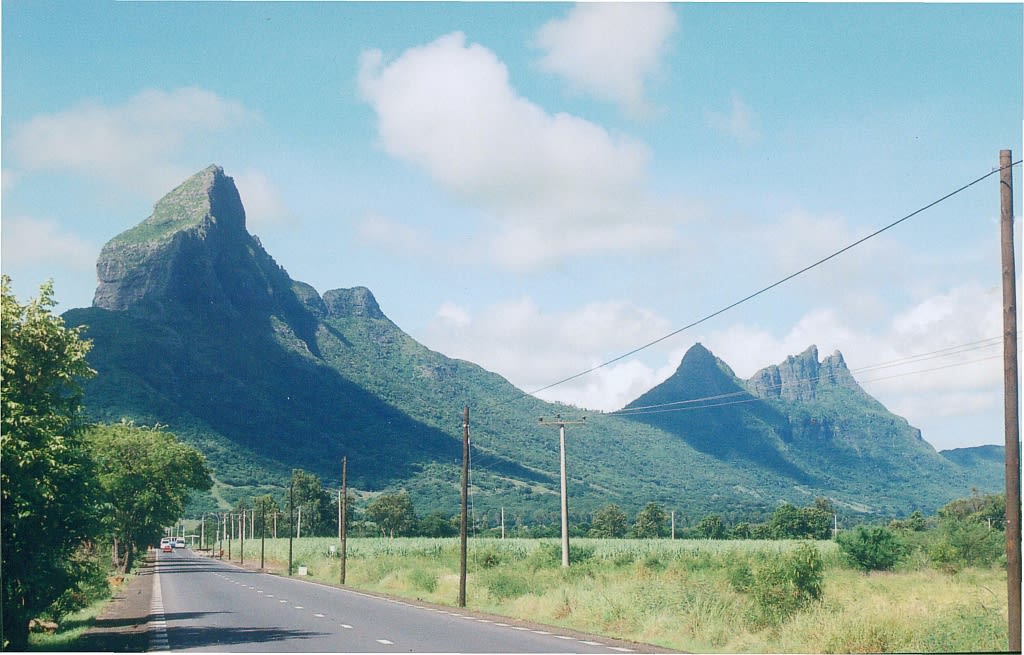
(423, 580)
(502, 586)
(871, 548)
(780, 584)
(964, 543)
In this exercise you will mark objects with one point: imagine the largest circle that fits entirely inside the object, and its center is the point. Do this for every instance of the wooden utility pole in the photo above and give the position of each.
(565, 490)
(464, 513)
(263, 531)
(241, 543)
(1011, 409)
(343, 517)
(291, 520)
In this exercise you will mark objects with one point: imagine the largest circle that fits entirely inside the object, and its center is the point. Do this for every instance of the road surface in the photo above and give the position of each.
(201, 604)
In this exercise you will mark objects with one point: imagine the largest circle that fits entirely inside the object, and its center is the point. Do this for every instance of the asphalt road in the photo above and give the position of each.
(200, 604)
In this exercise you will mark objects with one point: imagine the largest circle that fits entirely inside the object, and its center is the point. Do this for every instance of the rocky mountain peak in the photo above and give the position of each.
(800, 376)
(357, 302)
(192, 251)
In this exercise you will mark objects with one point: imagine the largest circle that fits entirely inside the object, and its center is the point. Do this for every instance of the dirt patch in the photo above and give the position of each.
(122, 625)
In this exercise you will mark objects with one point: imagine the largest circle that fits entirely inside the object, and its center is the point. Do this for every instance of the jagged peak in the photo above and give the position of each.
(210, 196)
(354, 302)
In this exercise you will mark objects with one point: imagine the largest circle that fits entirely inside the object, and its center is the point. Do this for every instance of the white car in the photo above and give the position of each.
(179, 543)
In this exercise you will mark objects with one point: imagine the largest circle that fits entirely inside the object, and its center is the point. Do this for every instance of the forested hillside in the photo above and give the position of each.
(195, 326)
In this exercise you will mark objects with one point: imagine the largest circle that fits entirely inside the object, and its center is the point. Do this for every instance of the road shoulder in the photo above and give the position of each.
(122, 625)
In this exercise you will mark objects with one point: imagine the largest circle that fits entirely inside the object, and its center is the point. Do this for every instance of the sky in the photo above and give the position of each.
(540, 188)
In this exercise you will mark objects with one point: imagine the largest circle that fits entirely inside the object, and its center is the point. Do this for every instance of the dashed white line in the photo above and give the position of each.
(385, 642)
(319, 616)
(345, 625)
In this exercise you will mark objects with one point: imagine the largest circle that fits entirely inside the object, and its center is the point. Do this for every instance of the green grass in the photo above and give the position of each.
(675, 594)
(71, 629)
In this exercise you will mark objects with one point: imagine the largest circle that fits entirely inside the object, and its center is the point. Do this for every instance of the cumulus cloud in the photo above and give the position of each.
(935, 359)
(449, 108)
(31, 241)
(609, 50)
(533, 346)
(131, 144)
(739, 122)
(943, 347)
(264, 205)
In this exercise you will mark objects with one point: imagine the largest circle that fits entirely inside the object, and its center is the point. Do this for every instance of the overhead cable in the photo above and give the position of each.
(773, 285)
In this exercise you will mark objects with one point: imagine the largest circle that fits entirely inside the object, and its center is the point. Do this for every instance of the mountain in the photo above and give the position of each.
(985, 465)
(196, 327)
(806, 419)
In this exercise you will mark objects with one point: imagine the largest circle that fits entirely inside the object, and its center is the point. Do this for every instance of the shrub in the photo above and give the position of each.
(502, 586)
(423, 580)
(871, 548)
(782, 584)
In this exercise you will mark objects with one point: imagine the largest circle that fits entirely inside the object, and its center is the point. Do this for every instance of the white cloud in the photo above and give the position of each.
(739, 122)
(390, 235)
(450, 109)
(264, 205)
(533, 347)
(131, 144)
(609, 50)
(29, 241)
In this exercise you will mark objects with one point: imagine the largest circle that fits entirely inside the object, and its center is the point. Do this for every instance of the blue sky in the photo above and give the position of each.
(541, 187)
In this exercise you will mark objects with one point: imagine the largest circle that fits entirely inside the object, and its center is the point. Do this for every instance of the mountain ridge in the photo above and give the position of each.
(197, 327)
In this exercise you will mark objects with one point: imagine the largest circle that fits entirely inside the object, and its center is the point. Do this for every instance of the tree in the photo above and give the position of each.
(811, 522)
(47, 494)
(711, 527)
(650, 522)
(393, 513)
(871, 548)
(609, 523)
(319, 510)
(146, 476)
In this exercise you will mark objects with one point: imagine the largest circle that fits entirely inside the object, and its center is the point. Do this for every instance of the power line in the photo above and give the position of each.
(949, 351)
(771, 286)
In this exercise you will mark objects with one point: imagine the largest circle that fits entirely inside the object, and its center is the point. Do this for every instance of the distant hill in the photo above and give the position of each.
(984, 465)
(196, 327)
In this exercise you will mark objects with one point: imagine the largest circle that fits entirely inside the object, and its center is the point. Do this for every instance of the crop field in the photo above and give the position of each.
(682, 594)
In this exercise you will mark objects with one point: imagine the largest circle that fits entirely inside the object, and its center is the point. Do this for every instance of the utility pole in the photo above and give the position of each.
(464, 513)
(343, 517)
(241, 543)
(565, 495)
(263, 531)
(1011, 409)
(291, 521)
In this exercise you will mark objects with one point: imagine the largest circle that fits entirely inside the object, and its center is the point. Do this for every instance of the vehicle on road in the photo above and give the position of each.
(180, 543)
(167, 544)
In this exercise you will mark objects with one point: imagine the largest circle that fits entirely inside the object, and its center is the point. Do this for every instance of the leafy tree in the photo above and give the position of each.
(871, 548)
(147, 476)
(609, 523)
(812, 522)
(650, 522)
(436, 524)
(319, 514)
(265, 507)
(47, 494)
(989, 509)
(711, 527)
(393, 513)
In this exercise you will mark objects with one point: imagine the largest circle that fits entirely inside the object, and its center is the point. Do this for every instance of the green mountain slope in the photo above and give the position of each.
(195, 326)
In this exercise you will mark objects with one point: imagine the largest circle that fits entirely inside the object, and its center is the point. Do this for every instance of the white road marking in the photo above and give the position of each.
(385, 642)
(319, 616)
(346, 626)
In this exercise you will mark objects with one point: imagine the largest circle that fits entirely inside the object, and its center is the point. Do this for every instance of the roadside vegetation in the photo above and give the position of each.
(77, 501)
(693, 595)
(81, 501)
